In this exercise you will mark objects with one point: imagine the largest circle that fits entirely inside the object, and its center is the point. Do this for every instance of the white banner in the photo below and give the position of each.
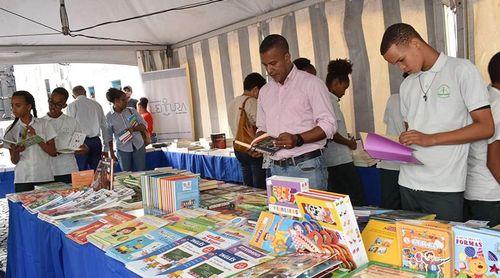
(169, 103)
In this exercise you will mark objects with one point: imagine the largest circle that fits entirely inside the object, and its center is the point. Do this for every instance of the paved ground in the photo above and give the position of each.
(4, 228)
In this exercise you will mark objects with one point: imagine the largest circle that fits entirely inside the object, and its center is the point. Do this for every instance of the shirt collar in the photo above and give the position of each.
(80, 97)
(437, 67)
(291, 75)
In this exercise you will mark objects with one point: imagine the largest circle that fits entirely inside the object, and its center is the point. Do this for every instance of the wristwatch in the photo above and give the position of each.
(300, 140)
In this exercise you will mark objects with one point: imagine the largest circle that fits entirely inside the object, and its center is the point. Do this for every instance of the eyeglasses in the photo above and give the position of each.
(57, 105)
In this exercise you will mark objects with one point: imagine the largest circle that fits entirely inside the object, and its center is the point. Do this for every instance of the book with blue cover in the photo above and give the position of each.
(144, 245)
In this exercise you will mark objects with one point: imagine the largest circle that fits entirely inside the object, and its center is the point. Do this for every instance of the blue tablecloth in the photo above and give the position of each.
(38, 249)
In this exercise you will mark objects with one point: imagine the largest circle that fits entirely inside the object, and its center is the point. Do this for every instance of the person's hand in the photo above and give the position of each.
(286, 140)
(352, 144)
(418, 138)
(31, 131)
(17, 148)
(131, 129)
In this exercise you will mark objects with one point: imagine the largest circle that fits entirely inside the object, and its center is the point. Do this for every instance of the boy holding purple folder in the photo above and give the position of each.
(445, 107)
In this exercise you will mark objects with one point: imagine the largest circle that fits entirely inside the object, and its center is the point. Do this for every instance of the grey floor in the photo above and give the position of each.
(4, 228)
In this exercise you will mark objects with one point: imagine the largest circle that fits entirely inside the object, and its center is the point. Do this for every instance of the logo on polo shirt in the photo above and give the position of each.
(443, 91)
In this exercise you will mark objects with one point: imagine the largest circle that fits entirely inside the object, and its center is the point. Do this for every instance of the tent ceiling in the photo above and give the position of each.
(162, 29)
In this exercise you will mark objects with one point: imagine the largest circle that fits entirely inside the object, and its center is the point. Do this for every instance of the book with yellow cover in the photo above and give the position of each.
(334, 212)
(381, 241)
(426, 246)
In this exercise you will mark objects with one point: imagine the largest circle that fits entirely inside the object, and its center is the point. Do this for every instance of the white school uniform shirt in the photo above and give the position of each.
(90, 115)
(337, 154)
(34, 163)
(481, 185)
(454, 88)
(65, 126)
(394, 126)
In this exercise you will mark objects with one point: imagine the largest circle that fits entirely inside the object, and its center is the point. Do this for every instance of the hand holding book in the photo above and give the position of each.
(264, 144)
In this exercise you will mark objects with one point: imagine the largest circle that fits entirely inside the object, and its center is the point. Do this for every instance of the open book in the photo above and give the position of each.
(30, 141)
(76, 140)
(384, 148)
(262, 144)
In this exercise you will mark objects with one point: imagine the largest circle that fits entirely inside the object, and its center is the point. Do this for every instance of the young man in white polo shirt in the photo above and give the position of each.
(445, 106)
(482, 191)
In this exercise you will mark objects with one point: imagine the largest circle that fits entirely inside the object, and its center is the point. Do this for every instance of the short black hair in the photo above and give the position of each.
(494, 68)
(253, 80)
(272, 41)
(398, 34)
(143, 102)
(112, 94)
(338, 69)
(127, 88)
(61, 91)
(302, 63)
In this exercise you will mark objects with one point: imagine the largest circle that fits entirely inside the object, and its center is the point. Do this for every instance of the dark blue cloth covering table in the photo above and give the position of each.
(39, 249)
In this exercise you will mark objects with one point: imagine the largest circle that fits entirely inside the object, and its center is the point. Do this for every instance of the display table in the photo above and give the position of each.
(38, 249)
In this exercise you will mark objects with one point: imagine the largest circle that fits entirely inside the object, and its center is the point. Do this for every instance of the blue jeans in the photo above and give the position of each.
(132, 161)
(251, 168)
(314, 169)
(91, 159)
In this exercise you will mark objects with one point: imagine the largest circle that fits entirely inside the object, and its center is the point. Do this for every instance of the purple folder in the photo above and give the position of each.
(380, 147)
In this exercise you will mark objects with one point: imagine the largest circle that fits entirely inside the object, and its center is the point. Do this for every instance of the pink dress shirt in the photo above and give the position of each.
(299, 105)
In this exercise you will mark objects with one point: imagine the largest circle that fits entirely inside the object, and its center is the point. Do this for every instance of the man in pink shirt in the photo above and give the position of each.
(294, 107)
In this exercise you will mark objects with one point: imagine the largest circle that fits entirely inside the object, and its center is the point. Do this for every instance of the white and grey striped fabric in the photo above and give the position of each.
(321, 32)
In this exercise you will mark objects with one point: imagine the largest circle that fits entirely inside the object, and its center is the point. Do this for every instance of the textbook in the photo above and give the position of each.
(383, 148)
(477, 252)
(381, 241)
(142, 246)
(273, 234)
(74, 143)
(262, 144)
(125, 231)
(281, 194)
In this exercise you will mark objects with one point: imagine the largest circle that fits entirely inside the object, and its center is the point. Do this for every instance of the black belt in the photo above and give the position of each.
(293, 161)
(87, 137)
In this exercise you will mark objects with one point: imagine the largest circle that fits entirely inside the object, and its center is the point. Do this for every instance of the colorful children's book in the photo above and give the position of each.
(395, 215)
(142, 246)
(334, 212)
(27, 142)
(291, 265)
(381, 241)
(426, 246)
(272, 234)
(179, 253)
(383, 148)
(477, 252)
(71, 224)
(281, 194)
(192, 226)
(82, 179)
(123, 232)
(378, 270)
(112, 219)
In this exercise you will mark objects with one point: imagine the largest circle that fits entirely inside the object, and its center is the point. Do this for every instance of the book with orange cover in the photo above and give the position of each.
(82, 178)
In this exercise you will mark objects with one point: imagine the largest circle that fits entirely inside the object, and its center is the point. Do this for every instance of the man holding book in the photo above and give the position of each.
(295, 109)
(445, 106)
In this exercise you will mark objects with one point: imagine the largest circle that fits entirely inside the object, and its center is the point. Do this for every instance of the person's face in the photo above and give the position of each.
(277, 63)
(56, 104)
(338, 87)
(121, 102)
(19, 107)
(408, 58)
(255, 92)
(128, 93)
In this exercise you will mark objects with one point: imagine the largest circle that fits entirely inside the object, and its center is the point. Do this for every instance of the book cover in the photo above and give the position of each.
(74, 143)
(281, 193)
(477, 252)
(395, 215)
(73, 223)
(263, 144)
(383, 148)
(82, 179)
(142, 246)
(272, 234)
(112, 219)
(425, 246)
(381, 242)
(125, 231)
(192, 226)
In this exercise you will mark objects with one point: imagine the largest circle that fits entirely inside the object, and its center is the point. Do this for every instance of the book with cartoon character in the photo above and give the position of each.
(281, 194)
(272, 234)
(477, 252)
(126, 231)
(334, 212)
(381, 241)
(426, 246)
(144, 245)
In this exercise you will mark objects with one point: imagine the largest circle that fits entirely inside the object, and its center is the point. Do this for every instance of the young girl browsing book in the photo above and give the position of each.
(32, 161)
(127, 126)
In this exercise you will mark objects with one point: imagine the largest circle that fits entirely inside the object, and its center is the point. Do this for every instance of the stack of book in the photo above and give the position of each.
(281, 193)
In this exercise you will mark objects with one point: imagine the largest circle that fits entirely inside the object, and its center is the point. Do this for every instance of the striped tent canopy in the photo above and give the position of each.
(320, 32)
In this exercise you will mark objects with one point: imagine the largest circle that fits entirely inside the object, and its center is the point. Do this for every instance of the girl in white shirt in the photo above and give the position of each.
(33, 162)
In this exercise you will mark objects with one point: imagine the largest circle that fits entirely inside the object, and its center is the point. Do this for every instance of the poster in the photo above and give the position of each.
(169, 103)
